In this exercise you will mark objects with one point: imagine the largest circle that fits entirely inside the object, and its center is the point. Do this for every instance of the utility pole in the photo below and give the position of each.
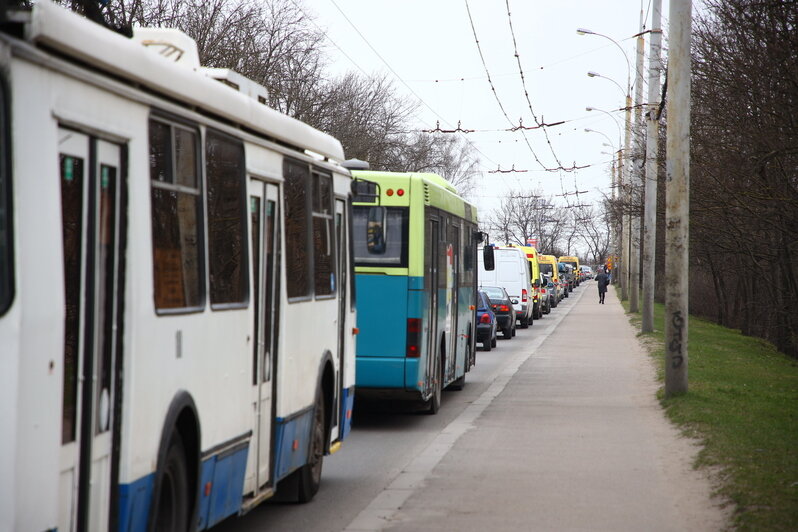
(626, 195)
(652, 143)
(637, 179)
(677, 199)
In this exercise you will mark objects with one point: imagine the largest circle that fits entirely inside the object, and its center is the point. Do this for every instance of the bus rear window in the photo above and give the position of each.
(546, 268)
(380, 236)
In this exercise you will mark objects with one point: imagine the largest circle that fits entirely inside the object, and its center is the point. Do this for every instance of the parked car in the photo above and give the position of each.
(587, 272)
(547, 294)
(511, 272)
(502, 307)
(487, 326)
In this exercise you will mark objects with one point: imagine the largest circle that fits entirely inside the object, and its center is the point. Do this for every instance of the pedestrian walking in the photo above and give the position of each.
(603, 280)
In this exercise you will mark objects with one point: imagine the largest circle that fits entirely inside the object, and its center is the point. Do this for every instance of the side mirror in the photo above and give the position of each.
(375, 230)
(487, 258)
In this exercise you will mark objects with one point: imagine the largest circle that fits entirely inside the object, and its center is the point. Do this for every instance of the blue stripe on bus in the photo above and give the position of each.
(347, 404)
(134, 504)
(225, 472)
(289, 456)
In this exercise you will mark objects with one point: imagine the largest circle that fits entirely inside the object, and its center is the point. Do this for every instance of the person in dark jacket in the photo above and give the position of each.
(602, 279)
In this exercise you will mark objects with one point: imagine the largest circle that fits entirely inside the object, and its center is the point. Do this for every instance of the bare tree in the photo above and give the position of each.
(744, 168)
(524, 216)
(594, 232)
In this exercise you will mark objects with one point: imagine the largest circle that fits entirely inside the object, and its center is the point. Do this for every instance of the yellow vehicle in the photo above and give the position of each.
(549, 267)
(534, 271)
(573, 261)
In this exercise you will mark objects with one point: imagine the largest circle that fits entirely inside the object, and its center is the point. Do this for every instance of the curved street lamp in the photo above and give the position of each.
(592, 74)
(583, 31)
(624, 171)
(589, 108)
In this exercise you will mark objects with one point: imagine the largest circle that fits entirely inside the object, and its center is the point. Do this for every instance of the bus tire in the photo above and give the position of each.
(309, 475)
(171, 508)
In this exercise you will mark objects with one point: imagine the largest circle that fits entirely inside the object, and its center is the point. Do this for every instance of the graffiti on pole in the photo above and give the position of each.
(676, 343)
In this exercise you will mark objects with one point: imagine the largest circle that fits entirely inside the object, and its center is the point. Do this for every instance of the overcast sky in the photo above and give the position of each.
(428, 48)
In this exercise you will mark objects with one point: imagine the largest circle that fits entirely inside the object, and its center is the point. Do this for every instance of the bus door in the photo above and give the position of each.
(431, 246)
(453, 336)
(263, 205)
(343, 326)
(91, 188)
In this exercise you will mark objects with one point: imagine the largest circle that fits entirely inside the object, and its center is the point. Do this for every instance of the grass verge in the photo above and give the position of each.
(742, 404)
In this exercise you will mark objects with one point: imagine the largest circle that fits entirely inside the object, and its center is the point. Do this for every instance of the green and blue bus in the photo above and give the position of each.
(415, 269)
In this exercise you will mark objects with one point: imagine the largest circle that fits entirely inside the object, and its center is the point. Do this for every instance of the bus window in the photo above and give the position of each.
(387, 249)
(227, 246)
(323, 241)
(176, 217)
(297, 215)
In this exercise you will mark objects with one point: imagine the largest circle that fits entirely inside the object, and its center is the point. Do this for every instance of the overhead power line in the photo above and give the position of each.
(501, 105)
(419, 98)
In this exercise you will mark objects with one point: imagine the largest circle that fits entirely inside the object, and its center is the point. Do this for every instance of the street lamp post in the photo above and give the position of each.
(624, 170)
(652, 138)
(637, 168)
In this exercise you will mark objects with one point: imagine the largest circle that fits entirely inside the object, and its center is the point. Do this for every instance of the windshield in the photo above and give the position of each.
(380, 236)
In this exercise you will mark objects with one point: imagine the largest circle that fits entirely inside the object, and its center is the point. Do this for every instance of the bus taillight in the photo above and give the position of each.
(413, 337)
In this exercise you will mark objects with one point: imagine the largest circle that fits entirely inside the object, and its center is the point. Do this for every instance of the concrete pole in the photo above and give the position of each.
(626, 198)
(616, 261)
(677, 199)
(652, 138)
(637, 177)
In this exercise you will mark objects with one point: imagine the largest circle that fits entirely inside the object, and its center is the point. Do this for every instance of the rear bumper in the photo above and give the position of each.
(484, 332)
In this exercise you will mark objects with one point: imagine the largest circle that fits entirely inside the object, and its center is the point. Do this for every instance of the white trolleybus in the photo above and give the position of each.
(176, 304)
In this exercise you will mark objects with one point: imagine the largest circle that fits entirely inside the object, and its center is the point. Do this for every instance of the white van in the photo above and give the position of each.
(511, 272)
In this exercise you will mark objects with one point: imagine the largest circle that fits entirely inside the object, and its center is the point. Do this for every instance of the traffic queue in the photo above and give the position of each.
(522, 285)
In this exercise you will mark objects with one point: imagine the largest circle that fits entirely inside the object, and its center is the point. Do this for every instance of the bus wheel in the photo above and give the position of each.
(433, 404)
(310, 473)
(172, 505)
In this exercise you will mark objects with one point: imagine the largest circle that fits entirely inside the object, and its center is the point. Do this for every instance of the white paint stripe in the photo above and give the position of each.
(381, 511)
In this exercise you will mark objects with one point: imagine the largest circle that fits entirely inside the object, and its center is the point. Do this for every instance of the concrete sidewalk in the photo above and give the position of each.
(572, 439)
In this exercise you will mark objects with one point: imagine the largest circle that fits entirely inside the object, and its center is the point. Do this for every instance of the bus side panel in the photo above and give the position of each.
(134, 504)
(292, 438)
(417, 305)
(465, 329)
(225, 473)
(382, 320)
(347, 404)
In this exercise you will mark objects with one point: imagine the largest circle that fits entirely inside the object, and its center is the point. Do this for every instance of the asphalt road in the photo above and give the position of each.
(382, 443)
